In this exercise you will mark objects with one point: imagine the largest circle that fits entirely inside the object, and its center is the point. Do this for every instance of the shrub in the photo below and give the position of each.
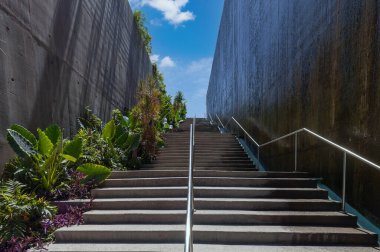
(20, 213)
(147, 39)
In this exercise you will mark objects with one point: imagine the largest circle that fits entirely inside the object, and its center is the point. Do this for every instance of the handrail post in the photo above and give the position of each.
(344, 181)
(295, 151)
(258, 154)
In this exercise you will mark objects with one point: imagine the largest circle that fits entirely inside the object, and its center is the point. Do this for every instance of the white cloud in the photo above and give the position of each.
(167, 62)
(154, 58)
(200, 65)
(171, 9)
(155, 22)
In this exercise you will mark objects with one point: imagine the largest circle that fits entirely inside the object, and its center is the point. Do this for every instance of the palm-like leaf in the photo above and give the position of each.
(44, 143)
(20, 144)
(94, 172)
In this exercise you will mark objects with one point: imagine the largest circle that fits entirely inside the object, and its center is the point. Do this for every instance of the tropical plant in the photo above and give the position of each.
(146, 115)
(166, 106)
(179, 106)
(89, 121)
(115, 146)
(147, 39)
(43, 164)
(20, 213)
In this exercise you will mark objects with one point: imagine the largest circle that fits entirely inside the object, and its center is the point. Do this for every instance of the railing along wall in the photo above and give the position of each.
(346, 152)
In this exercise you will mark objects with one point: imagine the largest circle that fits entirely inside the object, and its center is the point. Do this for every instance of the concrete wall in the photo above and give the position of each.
(59, 56)
(280, 65)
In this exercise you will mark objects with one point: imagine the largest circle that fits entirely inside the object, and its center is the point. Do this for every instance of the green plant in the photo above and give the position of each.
(147, 39)
(179, 106)
(115, 146)
(90, 121)
(45, 164)
(41, 163)
(94, 172)
(166, 106)
(20, 213)
(146, 115)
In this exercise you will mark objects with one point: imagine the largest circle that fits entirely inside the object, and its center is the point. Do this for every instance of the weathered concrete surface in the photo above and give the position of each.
(280, 65)
(59, 56)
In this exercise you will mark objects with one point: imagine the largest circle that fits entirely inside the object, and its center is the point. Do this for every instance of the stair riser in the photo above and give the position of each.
(202, 155)
(267, 206)
(283, 238)
(184, 173)
(217, 205)
(202, 147)
(203, 163)
(209, 152)
(185, 165)
(201, 193)
(210, 168)
(260, 182)
(217, 219)
(132, 205)
(120, 236)
(209, 159)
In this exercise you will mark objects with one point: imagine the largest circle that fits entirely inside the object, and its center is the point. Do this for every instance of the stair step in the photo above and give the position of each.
(210, 192)
(213, 166)
(167, 247)
(217, 234)
(266, 204)
(203, 162)
(121, 233)
(283, 235)
(140, 203)
(213, 181)
(201, 168)
(200, 173)
(254, 204)
(221, 217)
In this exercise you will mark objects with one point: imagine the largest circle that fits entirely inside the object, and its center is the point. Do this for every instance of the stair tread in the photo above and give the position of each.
(218, 212)
(124, 227)
(167, 247)
(281, 229)
(211, 188)
(216, 228)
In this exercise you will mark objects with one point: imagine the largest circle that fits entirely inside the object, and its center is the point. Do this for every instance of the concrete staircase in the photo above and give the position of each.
(236, 205)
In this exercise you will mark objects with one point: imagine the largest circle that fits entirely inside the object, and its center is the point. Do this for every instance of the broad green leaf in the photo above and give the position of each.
(68, 157)
(44, 143)
(51, 169)
(54, 133)
(26, 134)
(109, 130)
(94, 172)
(133, 142)
(121, 142)
(73, 148)
(20, 144)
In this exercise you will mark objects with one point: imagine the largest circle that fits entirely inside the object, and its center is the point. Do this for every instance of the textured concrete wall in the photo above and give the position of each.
(59, 56)
(280, 65)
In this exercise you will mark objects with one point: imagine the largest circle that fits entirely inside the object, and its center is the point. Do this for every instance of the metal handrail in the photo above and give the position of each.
(219, 120)
(190, 195)
(295, 133)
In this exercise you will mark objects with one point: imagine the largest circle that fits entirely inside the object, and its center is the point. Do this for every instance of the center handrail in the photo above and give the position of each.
(295, 133)
(190, 195)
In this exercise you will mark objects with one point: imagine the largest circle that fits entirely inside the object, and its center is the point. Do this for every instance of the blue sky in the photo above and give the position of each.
(184, 37)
